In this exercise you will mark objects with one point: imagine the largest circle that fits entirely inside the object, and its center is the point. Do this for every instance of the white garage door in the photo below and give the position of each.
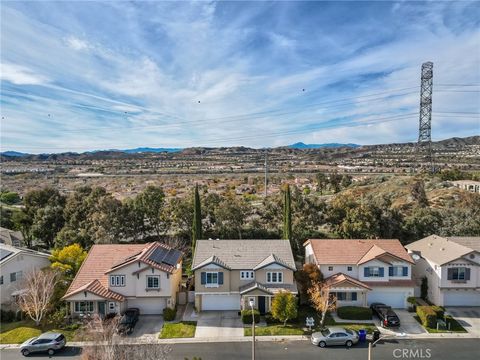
(220, 302)
(395, 299)
(153, 306)
(461, 298)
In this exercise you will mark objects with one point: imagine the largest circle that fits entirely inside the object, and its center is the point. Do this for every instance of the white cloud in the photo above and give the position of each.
(76, 43)
(21, 75)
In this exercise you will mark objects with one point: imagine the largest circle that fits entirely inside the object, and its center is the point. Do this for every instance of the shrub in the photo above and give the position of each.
(270, 320)
(7, 316)
(440, 311)
(247, 316)
(169, 314)
(354, 313)
(427, 316)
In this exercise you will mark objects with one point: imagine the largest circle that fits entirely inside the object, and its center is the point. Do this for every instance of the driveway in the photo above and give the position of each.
(219, 324)
(468, 317)
(147, 328)
(408, 324)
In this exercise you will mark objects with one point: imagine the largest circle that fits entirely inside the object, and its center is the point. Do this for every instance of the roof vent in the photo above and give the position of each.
(210, 239)
(217, 239)
(430, 244)
(442, 249)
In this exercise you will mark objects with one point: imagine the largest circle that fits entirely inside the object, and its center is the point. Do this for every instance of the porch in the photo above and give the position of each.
(262, 295)
(90, 308)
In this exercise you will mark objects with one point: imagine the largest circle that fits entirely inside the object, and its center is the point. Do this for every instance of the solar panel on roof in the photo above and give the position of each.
(172, 257)
(158, 255)
(5, 253)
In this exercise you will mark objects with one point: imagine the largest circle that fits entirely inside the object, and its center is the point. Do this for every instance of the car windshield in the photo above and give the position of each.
(60, 338)
(393, 318)
(349, 331)
(325, 332)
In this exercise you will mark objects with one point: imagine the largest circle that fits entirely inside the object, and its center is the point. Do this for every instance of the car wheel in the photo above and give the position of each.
(51, 352)
(322, 344)
(25, 352)
(349, 343)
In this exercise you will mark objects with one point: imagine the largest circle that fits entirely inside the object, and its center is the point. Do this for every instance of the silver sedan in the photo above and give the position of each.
(335, 336)
(48, 342)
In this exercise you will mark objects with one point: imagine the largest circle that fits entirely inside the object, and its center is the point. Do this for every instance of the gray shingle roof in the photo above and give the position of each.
(243, 254)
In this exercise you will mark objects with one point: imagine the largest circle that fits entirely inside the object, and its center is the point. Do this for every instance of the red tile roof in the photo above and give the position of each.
(340, 278)
(93, 274)
(354, 251)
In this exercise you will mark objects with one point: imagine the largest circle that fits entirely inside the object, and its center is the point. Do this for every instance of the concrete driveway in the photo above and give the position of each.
(408, 324)
(147, 328)
(219, 324)
(468, 317)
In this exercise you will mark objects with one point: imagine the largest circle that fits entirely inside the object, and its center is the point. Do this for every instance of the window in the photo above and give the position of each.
(111, 306)
(212, 278)
(15, 276)
(330, 268)
(117, 280)
(251, 299)
(398, 271)
(83, 306)
(349, 268)
(153, 282)
(246, 275)
(460, 273)
(274, 277)
(1, 279)
(373, 271)
(344, 295)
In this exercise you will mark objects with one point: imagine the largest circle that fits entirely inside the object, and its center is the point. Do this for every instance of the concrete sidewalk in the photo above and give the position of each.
(338, 320)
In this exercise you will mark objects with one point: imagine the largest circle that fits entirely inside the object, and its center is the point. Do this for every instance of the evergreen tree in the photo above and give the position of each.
(197, 218)
(287, 215)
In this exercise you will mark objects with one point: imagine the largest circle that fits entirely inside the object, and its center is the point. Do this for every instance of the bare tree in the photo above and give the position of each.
(106, 344)
(36, 292)
(321, 299)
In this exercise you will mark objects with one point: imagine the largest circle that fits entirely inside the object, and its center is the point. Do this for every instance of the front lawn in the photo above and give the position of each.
(454, 326)
(183, 329)
(19, 331)
(271, 330)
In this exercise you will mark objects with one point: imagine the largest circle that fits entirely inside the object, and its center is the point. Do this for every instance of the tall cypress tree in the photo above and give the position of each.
(287, 214)
(197, 219)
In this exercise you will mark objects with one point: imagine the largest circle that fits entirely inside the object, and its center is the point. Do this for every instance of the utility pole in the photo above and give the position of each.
(266, 173)
(425, 124)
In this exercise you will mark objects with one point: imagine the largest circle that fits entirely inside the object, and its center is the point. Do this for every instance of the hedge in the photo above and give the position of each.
(169, 314)
(440, 311)
(427, 316)
(354, 313)
(247, 316)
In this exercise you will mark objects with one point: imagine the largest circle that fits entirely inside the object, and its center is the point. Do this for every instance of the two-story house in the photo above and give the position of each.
(363, 271)
(115, 277)
(452, 268)
(230, 273)
(15, 262)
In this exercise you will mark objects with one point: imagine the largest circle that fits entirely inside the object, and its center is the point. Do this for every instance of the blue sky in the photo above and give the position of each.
(79, 76)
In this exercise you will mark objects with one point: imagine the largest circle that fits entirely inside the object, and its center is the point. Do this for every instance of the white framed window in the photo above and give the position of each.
(153, 282)
(246, 275)
(274, 277)
(83, 306)
(117, 280)
(349, 268)
(111, 306)
(252, 299)
(330, 268)
(212, 279)
(15, 276)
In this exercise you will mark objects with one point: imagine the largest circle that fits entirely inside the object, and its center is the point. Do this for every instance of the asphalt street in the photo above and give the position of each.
(437, 349)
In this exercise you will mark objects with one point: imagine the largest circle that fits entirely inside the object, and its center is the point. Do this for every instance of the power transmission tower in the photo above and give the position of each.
(424, 145)
(266, 173)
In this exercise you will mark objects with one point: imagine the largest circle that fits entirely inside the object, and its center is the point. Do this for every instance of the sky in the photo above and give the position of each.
(79, 76)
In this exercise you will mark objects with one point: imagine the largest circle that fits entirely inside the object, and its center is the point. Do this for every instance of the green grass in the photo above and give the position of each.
(271, 330)
(19, 331)
(183, 329)
(454, 327)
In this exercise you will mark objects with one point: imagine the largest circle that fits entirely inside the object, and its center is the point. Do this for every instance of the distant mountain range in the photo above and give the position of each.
(301, 145)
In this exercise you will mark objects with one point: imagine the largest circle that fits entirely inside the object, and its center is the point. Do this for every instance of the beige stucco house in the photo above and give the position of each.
(115, 277)
(452, 268)
(230, 273)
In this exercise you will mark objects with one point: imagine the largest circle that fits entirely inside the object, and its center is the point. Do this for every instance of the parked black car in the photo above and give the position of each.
(387, 316)
(128, 321)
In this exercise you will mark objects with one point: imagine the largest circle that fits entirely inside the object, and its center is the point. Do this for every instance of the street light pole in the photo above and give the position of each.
(253, 329)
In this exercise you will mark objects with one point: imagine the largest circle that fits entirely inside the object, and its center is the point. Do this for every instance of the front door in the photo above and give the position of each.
(101, 308)
(261, 304)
